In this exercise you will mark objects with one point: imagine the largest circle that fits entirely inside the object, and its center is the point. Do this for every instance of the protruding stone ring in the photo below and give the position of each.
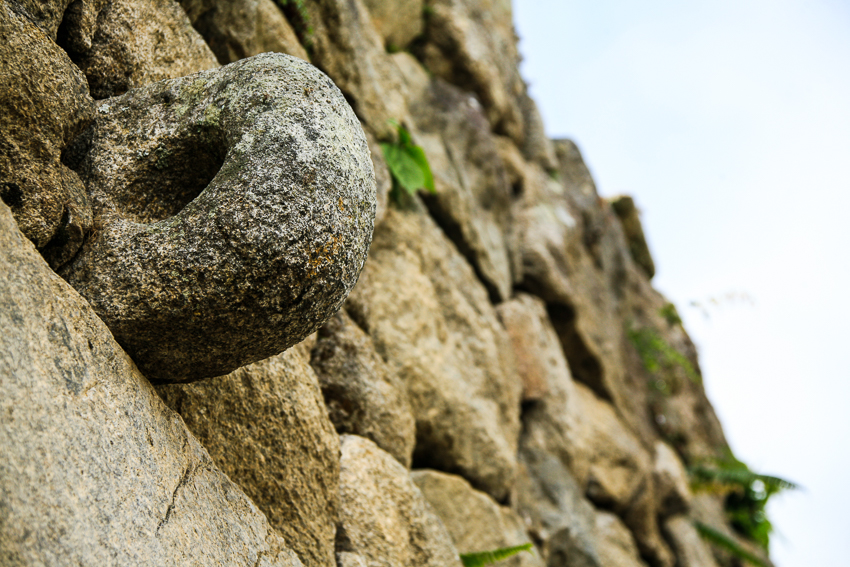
(233, 212)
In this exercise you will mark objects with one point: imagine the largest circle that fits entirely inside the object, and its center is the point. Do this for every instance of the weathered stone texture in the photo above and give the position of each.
(559, 518)
(536, 147)
(46, 14)
(473, 519)
(266, 426)
(537, 351)
(383, 180)
(236, 29)
(196, 281)
(472, 44)
(384, 519)
(617, 546)
(571, 423)
(671, 481)
(363, 395)
(609, 463)
(578, 274)
(346, 46)
(137, 42)
(95, 469)
(214, 220)
(45, 103)
(574, 256)
(569, 529)
(79, 24)
(473, 200)
(397, 21)
(431, 321)
(690, 549)
(624, 207)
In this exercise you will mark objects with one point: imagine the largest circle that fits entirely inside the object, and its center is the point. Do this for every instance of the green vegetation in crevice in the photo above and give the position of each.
(661, 360)
(670, 314)
(483, 558)
(297, 16)
(746, 495)
(723, 541)
(407, 163)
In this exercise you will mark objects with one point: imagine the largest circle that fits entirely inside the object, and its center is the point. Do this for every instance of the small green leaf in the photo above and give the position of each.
(407, 163)
(741, 476)
(404, 168)
(418, 155)
(404, 138)
(483, 558)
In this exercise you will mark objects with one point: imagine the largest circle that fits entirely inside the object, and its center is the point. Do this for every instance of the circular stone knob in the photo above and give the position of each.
(233, 212)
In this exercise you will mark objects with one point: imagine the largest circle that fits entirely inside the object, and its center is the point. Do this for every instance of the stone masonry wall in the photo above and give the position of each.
(225, 342)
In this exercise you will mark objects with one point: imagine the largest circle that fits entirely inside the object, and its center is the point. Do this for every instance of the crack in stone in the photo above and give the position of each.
(190, 470)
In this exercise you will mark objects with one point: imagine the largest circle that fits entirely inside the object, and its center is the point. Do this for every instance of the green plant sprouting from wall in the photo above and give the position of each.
(407, 163)
(670, 314)
(723, 541)
(660, 359)
(746, 495)
(483, 558)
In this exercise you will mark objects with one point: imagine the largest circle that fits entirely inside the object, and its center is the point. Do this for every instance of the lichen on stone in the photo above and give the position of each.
(194, 280)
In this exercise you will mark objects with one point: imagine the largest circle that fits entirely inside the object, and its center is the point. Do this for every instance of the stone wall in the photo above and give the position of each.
(225, 343)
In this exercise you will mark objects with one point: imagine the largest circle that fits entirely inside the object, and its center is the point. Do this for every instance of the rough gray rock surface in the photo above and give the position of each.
(384, 519)
(473, 519)
(79, 24)
(691, 550)
(266, 426)
(536, 146)
(616, 544)
(608, 461)
(559, 518)
(45, 103)
(573, 255)
(537, 351)
(236, 29)
(571, 531)
(383, 179)
(432, 322)
(629, 216)
(472, 44)
(46, 14)
(363, 396)
(473, 200)
(602, 295)
(196, 281)
(671, 481)
(95, 469)
(102, 473)
(346, 46)
(570, 423)
(577, 272)
(133, 43)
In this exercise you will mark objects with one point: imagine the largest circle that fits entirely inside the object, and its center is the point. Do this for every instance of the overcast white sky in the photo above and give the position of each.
(729, 122)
